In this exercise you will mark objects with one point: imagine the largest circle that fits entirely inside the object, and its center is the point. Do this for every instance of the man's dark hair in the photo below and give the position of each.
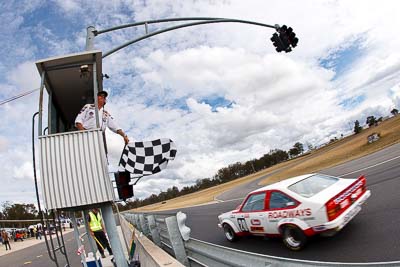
(102, 93)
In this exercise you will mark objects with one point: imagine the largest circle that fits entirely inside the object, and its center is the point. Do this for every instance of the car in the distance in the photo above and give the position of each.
(297, 208)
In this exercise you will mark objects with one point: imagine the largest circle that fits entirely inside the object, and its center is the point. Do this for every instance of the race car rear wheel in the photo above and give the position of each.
(230, 233)
(293, 237)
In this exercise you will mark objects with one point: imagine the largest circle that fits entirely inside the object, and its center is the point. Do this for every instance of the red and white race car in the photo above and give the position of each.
(297, 208)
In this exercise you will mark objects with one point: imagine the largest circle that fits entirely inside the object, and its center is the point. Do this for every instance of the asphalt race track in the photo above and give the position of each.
(37, 256)
(372, 236)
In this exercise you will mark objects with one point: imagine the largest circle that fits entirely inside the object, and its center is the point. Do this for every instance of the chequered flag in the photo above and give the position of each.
(147, 158)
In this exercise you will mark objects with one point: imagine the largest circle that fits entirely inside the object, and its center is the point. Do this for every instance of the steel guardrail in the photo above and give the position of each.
(200, 253)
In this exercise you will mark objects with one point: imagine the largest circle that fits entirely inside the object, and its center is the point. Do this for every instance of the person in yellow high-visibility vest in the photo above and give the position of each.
(96, 227)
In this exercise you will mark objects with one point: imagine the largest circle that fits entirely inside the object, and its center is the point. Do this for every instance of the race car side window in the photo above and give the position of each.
(255, 202)
(279, 200)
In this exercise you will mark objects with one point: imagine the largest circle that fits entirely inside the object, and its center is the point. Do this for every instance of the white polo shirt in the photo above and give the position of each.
(87, 117)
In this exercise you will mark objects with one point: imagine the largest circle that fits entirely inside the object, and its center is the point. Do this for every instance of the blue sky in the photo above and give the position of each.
(341, 60)
(221, 92)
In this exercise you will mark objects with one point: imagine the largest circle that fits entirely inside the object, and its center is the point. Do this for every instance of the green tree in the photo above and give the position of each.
(172, 192)
(333, 140)
(394, 111)
(299, 147)
(371, 120)
(357, 127)
(293, 152)
(309, 146)
(19, 211)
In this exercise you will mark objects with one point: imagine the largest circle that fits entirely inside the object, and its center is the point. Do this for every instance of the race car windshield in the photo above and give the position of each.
(312, 185)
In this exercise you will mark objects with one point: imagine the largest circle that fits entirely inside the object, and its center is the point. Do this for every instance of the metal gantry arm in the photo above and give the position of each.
(146, 22)
(92, 32)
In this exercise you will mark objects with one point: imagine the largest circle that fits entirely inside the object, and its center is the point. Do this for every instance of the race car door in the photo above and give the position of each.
(254, 217)
(278, 206)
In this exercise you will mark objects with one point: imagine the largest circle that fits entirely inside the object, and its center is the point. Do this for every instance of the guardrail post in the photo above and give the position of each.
(155, 235)
(132, 219)
(137, 222)
(143, 225)
(128, 217)
(176, 240)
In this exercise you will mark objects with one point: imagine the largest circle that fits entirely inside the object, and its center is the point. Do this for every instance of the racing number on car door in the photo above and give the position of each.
(242, 225)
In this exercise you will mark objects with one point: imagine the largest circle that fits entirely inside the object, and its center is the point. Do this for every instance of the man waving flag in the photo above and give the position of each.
(148, 157)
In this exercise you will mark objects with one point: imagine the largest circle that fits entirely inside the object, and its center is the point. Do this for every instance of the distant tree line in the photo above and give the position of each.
(238, 169)
(372, 121)
(223, 175)
(10, 211)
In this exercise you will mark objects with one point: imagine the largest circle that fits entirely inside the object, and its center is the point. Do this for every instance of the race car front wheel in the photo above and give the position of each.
(294, 238)
(229, 233)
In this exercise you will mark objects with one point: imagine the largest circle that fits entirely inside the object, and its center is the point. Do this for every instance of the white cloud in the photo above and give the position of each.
(395, 92)
(24, 171)
(24, 77)
(3, 144)
(70, 6)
